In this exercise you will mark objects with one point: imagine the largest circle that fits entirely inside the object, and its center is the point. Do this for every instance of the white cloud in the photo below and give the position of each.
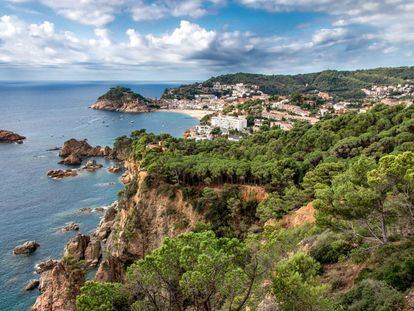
(329, 36)
(99, 13)
(177, 8)
(188, 47)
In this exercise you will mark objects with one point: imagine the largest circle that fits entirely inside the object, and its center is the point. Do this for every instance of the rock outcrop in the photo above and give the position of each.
(122, 99)
(92, 166)
(74, 151)
(26, 248)
(83, 247)
(45, 265)
(142, 221)
(59, 285)
(114, 169)
(32, 285)
(10, 137)
(59, 174)
(70, 227)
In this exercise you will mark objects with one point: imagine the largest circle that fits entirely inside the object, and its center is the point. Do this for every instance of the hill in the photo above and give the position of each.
(341, 84)
(122, 99)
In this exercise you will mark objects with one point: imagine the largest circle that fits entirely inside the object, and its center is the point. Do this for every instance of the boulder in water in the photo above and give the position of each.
(92, 166)
(59, 174)
(10, 137)
(26, 248)
(70, 227)
(114, 169)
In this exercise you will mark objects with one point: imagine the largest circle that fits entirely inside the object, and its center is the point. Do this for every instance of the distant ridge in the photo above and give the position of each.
(341, 84)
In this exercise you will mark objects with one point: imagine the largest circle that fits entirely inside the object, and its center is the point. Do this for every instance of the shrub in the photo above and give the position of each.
(372, 295)
(330, 247)
(393, 264)
(296, 287)
(96, 296)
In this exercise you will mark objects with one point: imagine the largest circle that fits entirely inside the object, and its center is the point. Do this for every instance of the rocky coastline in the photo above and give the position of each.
(128, 230)
(9, 137)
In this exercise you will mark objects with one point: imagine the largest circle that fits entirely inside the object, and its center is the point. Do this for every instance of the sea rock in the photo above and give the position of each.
(10, 137)
(73, 146)
(32, 285)
(85, 210)
(114, 169)
(72, 159)
(76, 247)
(45, 265)
(92, 166)
(74, 151)
(26, 248)
(99, 210)
(59, 287)
(70, 227)
(59, 174)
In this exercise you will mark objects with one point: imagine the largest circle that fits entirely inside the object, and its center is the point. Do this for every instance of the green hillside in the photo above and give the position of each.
(357, 169)
(341, 84)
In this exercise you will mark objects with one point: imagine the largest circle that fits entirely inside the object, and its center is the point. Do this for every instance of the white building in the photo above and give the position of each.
(229, 122)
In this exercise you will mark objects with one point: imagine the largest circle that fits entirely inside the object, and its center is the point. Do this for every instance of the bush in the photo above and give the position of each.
(296, 287)
(329, 248)
(96, 296)
(393, 264)
(372, 295)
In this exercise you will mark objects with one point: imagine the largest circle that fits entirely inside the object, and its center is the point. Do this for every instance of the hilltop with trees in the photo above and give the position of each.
(343, 85)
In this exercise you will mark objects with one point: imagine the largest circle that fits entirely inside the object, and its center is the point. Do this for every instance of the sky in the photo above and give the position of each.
(170, 40)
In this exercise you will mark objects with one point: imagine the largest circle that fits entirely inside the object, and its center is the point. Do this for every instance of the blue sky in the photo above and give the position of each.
(170, 40)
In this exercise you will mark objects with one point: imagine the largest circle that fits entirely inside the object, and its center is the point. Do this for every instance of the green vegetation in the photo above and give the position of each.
(341, 84)
(193, 270)
(296, 287)
(358, 169)
(119, 94)
(103, 297)
(371, 295)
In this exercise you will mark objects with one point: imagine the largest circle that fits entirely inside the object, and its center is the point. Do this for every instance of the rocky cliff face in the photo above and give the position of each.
(130, 229)
(122, 99)
(142, 221)
(59, 285)
(131, 106)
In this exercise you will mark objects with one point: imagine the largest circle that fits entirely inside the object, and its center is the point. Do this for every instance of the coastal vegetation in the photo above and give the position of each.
(120, 94)
(341, 84)
(354, 172)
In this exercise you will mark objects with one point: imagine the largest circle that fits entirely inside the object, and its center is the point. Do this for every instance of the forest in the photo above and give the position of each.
(343, 85)
(356, 169)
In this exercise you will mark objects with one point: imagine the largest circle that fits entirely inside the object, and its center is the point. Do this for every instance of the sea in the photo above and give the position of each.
(35, 207)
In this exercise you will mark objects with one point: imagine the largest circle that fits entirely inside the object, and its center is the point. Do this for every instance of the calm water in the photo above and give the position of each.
(34, 207)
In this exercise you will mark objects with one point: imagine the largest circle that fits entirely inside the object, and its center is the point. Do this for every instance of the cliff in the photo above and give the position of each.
(122, 99)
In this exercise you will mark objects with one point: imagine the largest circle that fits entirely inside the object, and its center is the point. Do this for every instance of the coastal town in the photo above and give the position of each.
(237, 110)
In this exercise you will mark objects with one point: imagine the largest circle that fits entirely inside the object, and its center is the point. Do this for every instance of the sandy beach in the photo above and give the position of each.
(199, 114)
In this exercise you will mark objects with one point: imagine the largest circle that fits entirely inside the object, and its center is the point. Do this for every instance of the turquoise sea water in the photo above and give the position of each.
(34, 207)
